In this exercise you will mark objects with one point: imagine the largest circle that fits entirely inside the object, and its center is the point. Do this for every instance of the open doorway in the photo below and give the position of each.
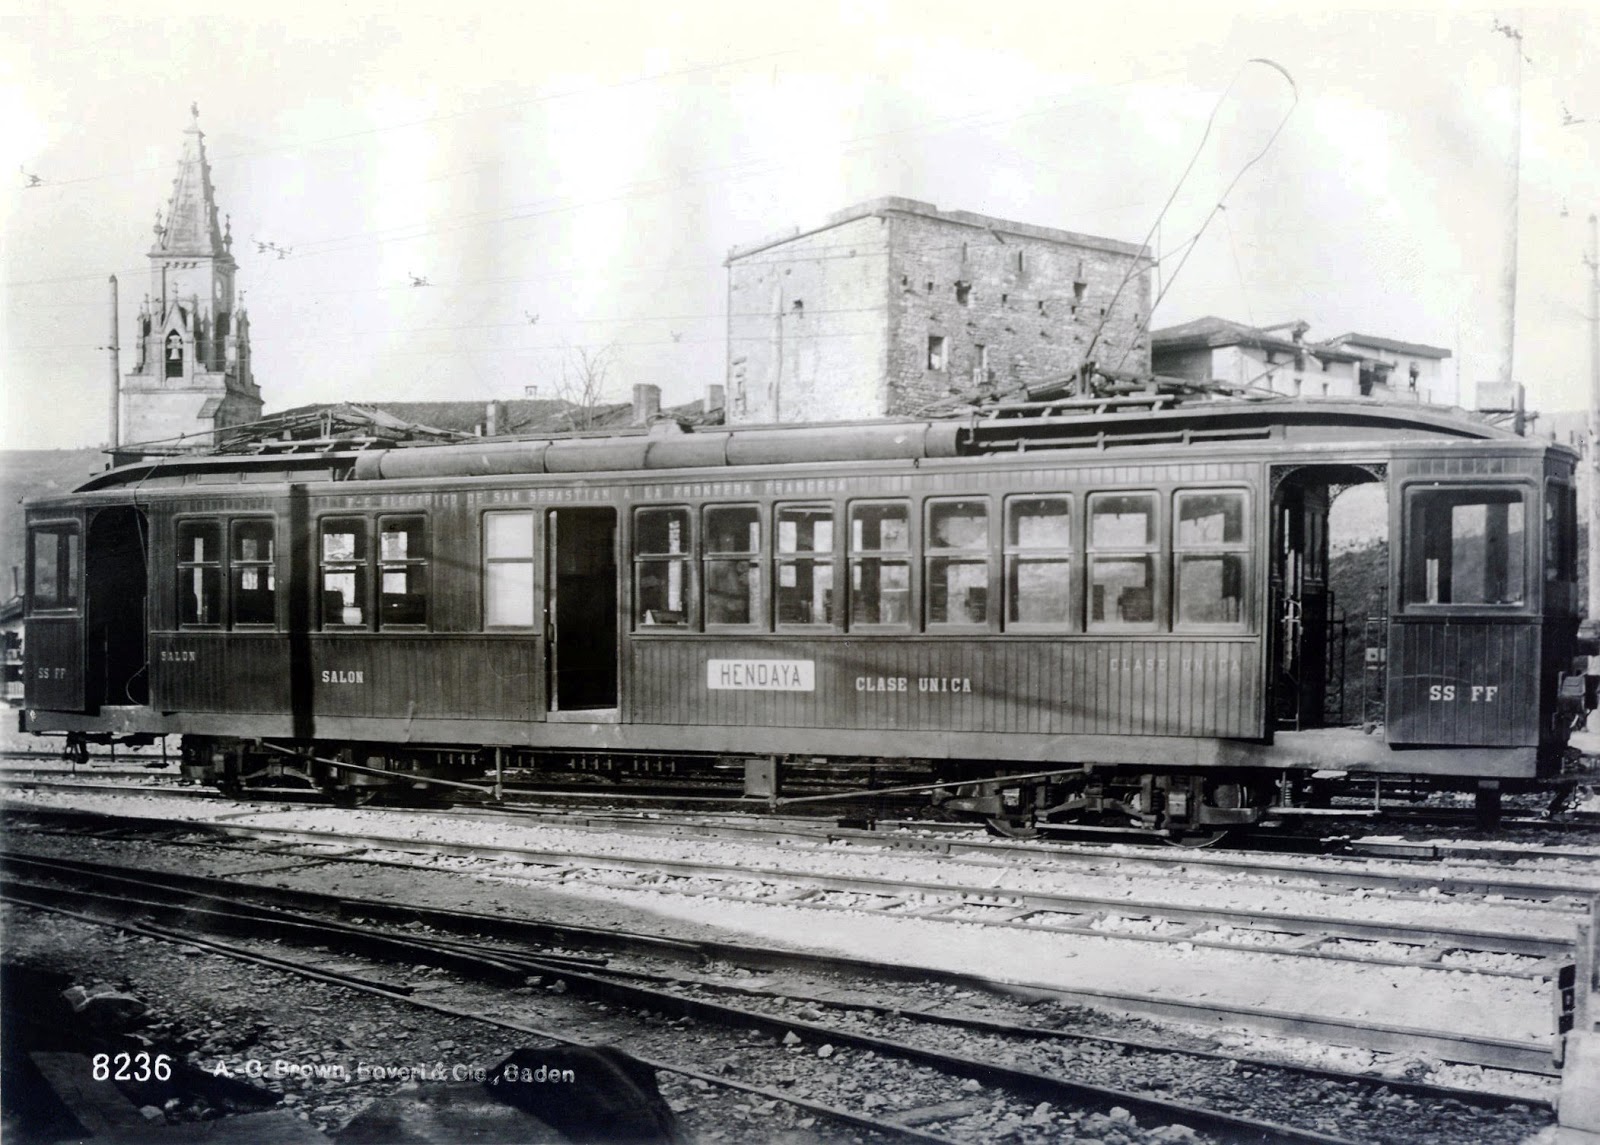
(581, 609)
(117, 587)
(1329, 574)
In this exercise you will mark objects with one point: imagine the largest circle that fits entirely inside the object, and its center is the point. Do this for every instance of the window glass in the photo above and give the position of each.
(1560, 532)
(402, 572)
(1122, 562)
(1038, 561)
(733, 565)
(1210, 555)
(508, 570)
(1466, 546)
(957, 562)
(199, 573)
(804, 565)
(880, 565)
(254, 572)
(661, 566)
(54, 572)
(344, 573)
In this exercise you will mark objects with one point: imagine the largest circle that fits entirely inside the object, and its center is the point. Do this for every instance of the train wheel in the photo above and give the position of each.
(1196, 839)
(1020, 827)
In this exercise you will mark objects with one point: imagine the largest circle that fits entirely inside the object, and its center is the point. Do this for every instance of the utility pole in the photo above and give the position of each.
(1592, 260)
(116, 372)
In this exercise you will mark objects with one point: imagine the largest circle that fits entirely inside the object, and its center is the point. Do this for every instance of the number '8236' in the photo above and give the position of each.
(132, 1067)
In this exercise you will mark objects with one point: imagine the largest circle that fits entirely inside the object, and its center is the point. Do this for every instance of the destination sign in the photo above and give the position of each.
(761, 675)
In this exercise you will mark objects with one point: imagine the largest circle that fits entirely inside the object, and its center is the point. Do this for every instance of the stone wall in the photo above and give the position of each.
(1011, 308)
(807, 326)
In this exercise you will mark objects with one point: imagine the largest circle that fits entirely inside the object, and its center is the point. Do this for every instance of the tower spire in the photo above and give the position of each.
(192, 226)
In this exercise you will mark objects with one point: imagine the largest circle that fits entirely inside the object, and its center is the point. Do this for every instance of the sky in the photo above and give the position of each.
(569, 178)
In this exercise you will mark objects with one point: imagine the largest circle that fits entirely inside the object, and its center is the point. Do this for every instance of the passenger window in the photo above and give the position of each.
(804, 564)
(1122, 560)
(661, 566)
(733, 565)
(956, 562)
(1038, 561)
(402, 572)
(54, 569)
(344, 573)
(1210, 554)
(1560, 532)
(508, 566)
(880, 563)
(1466, 547)
(251, 564)
(199, 574)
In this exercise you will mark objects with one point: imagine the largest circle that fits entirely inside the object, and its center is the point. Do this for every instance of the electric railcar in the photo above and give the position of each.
(1125, 609)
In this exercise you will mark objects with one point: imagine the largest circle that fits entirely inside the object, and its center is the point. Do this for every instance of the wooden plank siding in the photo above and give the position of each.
(1059, 686)
(1463, 653)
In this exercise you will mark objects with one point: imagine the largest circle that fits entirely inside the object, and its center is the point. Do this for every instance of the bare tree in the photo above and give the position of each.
(585, 372)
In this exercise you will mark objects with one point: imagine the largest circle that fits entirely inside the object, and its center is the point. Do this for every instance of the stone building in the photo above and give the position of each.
(1282, 359)
(191, 374)
(892, 304)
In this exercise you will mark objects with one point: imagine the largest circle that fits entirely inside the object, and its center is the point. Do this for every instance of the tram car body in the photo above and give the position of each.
(1132, 600)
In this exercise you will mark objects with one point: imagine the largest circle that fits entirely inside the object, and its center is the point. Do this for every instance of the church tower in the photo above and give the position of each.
(191, 372)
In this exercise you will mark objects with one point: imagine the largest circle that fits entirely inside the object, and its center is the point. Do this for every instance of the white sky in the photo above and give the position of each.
(591, 164)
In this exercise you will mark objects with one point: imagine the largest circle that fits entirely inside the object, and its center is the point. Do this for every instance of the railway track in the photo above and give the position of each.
(1502, 954)
(1010, 1061)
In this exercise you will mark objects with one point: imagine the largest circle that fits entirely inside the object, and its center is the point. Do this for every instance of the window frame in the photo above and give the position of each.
(829, 510)
(60, 527)
(1069, 553)
(761, 608)
(269, 564)
(907, 556)
(380, 565)
(361, 564)
(1559, 559)
(532, 560)
(689, 559)
(1242, 548)
(926, 553)
(1151, 551)
(1532, 555)
(184, 570)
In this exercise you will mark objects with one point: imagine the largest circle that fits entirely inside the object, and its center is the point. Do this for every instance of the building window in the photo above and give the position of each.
(1021, 263)
(956, 562)
(1466, 546)
(344, 573)
(1038, 553)
(508, 570)
(880, 563)
(661, 566)
(54, 567)
(174, 355)
(936, 351)
(1210, 551)
(199, 574)
(804, 564)
(980, 364)
(732, 564)
(964, 293)
(402, 573)
(1122, 560)
(253, 568)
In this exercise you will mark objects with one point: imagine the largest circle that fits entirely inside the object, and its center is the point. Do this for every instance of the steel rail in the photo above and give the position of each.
(1408, 933)
(1430, 941)
(1525, 1057)
(848, 1117)
(511, 968)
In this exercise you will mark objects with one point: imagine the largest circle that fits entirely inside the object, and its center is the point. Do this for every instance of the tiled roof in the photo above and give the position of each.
(1394, 346)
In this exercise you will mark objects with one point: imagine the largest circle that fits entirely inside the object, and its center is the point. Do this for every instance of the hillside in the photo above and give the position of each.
(27, 473)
